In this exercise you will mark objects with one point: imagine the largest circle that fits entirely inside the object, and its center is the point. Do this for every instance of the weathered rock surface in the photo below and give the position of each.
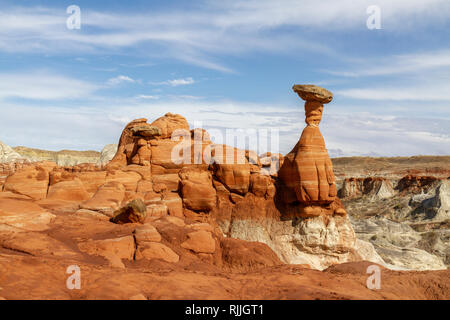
(113, 250)
(397, 244)
(31, 181)
(155, 250)
(7, 154)
(134, 212)
(197, 189)
(200, 241)
(307, 171)
(169, 123)
(24, 214)
(107, 154)
(405, 218)
(62, 158)
(107, 199)
(72, 190)
(192, 230)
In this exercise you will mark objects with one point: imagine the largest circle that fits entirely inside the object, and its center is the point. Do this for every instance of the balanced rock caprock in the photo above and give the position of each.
(307, 171)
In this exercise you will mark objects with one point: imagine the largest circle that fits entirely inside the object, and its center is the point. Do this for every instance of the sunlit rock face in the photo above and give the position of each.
(295, 212)
(307, 171)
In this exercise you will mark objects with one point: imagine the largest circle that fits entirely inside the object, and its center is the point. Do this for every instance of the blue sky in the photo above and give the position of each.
(228, 64)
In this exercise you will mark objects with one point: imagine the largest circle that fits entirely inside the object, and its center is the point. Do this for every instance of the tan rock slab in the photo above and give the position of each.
(114, 250)
(155, 250)
(146, 233)
(200, 242)
(24, 214)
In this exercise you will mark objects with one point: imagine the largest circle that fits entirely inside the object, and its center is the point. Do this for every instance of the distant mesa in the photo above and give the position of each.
(61, 158)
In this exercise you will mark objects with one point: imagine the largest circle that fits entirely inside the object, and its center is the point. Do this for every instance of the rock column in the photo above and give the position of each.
(307, 171)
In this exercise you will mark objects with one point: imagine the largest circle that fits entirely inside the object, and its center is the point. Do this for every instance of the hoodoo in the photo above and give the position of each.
(307, 171)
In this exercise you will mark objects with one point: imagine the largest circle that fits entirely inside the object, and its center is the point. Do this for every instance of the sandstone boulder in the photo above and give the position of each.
(31, 181)
(92, 181)
(24, 214)
(200, 242)
(107, 199)
(197, 189)
(231, 168)
(163, 161)
(310, 92)
(146, 233)
(174, 204)
(171, 181)
(169, 123)
(128, 179)
(262, 186)
(128, 144)
(244, 255)
(113, 250)
(134, 212)
(155, 250)
(68, 190)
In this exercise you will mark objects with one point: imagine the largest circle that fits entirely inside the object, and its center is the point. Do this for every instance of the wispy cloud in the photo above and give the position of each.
(202, 36)
(175, 82)
(345, 134)
(434, 92)
(150, 97)
(398, 64)
(42, 85)
(119, 79)
(421, 76)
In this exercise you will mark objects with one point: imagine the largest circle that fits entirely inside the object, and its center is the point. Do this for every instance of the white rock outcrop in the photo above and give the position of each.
(7, 154)
(309, 241)
(108, 152)
(397, 244)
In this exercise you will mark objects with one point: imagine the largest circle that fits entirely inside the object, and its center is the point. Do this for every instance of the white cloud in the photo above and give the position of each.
(180, 82)
(145, 96)
(343, 14)
(422, 76)
(398, 64)
(119, 79)
(351, 133)
(175, 82)
(436, 91)
(43, 86)
(202, 35)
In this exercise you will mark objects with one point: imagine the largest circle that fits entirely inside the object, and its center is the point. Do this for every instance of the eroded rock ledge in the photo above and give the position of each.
(298, 215)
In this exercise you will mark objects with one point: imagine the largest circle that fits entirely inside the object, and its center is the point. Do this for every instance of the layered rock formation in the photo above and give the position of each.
(62, 158)
(7, 154)
(405, 216)
(19, 155)
(107, 154)
(172, 205)
(307, 171)
(181, 173)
